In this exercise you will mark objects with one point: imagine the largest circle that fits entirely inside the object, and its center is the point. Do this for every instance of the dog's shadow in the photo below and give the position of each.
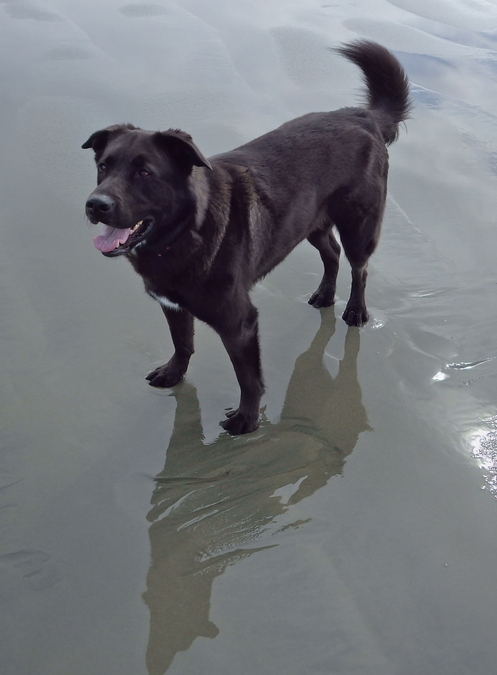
(212, 504)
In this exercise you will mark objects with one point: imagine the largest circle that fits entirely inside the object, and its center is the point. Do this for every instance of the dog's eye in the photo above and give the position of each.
(102, 167)
(144, 173)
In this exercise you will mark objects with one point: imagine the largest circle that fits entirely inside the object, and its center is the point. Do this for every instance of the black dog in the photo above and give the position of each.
(202, 232)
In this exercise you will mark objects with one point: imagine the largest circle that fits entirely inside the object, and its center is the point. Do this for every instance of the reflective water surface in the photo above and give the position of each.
(356, 531)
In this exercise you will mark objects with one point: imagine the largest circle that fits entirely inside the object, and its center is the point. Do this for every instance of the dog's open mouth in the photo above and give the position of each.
(114, 241)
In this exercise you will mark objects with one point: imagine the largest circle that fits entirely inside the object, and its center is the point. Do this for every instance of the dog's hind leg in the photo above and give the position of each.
(181, 326)
(329, 251)
(359, 240)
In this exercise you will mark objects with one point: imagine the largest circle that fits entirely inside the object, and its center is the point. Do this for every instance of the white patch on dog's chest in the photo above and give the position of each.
(165, 302)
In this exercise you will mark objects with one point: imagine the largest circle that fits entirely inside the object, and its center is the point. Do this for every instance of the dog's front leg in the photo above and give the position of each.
(241, 339)
(181, 326)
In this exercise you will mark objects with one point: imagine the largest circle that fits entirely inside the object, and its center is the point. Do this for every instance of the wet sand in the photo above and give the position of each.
(356, 531)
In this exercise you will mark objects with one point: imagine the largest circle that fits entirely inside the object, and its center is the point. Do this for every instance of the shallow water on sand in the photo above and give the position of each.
(356, 531)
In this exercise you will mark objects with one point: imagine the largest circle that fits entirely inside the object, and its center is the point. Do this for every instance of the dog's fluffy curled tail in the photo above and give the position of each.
(387, 84)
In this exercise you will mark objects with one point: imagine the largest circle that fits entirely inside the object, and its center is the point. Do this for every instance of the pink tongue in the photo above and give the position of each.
(110, 238)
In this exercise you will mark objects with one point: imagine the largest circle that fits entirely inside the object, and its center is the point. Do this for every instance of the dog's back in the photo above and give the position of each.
(387, 105)
(324, 168)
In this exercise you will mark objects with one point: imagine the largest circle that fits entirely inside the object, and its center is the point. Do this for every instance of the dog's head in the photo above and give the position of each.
(142, 191)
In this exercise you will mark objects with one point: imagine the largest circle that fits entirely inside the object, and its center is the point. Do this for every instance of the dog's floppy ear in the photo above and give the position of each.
(99, 139)
(181, 147)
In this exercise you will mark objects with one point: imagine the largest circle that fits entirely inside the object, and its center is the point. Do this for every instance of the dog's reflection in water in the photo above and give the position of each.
(212, 504)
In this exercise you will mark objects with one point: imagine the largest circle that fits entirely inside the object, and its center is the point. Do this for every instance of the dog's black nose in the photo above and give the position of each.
(99, 205)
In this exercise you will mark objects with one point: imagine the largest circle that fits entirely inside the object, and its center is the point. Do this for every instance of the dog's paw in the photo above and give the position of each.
(355, 316)
(167, 375)
(239, 423)
(322, 298)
